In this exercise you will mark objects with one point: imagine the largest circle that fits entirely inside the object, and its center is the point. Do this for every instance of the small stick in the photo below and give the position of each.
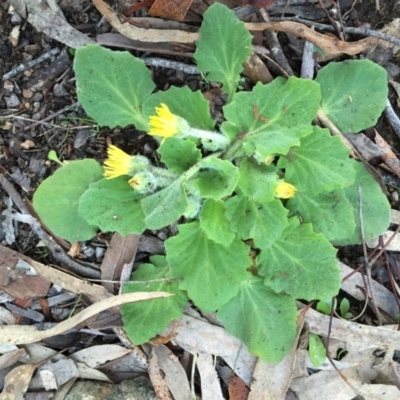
(25, 66)
(308, 61)
(275, 46)
(51, 116)
(366, 262)
(392, 117)
(179, 66)
(57, 251)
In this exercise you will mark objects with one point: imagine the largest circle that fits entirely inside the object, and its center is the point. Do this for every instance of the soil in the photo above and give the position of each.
(25, 141)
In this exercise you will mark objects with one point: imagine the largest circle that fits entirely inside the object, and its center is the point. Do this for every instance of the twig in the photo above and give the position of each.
(23, 67)
(275, 46)
(333, 23)
(179, 66)
(308, 61)
(346, 29)
(392, 118)
(366, 262)
(325, 121)
(51, 116)
(56, 249)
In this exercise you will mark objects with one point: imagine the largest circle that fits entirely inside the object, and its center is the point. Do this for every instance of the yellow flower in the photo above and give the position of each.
(285, 190)
(165, 124)
(118, 163)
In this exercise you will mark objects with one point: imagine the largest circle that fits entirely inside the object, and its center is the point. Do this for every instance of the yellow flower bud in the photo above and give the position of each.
(285, 190)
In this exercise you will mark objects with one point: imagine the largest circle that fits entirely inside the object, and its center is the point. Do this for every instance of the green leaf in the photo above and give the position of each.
(375, 206)
(344, 307)
(113, 205)
(325, 306)
(301, 263)
(165, 207)
(112, 86)
(179, 154)
(316, 349)
(329, 212)
(272, 118)
(214, 222)
(258, 181)
(211, 272)
(216, 178)
(56, 199)
(263, 223)
(224, 46)
(354, 93)
(321, 163)
(192, 106)
(264, 320)
(145, 319)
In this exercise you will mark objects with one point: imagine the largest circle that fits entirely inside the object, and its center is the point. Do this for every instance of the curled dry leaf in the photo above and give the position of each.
(144, 35)
(327, 43)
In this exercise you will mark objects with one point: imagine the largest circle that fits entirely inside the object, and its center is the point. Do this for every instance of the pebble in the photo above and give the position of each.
(89, 252)
(59, 90)
(99, 253)
(12, 101)
(81, 137)
(16, 19)
(395, 196)
(37, 96)
(27, 93)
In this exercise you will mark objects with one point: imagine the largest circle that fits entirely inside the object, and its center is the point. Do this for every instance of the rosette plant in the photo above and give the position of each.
(259, 200)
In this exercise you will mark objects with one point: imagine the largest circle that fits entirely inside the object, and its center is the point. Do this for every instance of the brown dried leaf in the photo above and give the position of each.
(156, 377)
(388, 157)
(75, 249)
(144, 35)
(256, 70)
(122, 251)
(170, 9)
(237, 389)
(15, 282)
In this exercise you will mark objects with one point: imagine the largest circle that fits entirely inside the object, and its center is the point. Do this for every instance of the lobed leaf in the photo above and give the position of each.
(192, 106)
(113, 205)
(210, 272)
(165, 207)
(329, 212)
(224, 46)
(264, 320)
(214, 222)
(321, 163)
(263, 223)
(144, 320)
(301, 263)
(179, 154)
(216, 178)
(258, 181)
(112, 86)
(272, 118)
